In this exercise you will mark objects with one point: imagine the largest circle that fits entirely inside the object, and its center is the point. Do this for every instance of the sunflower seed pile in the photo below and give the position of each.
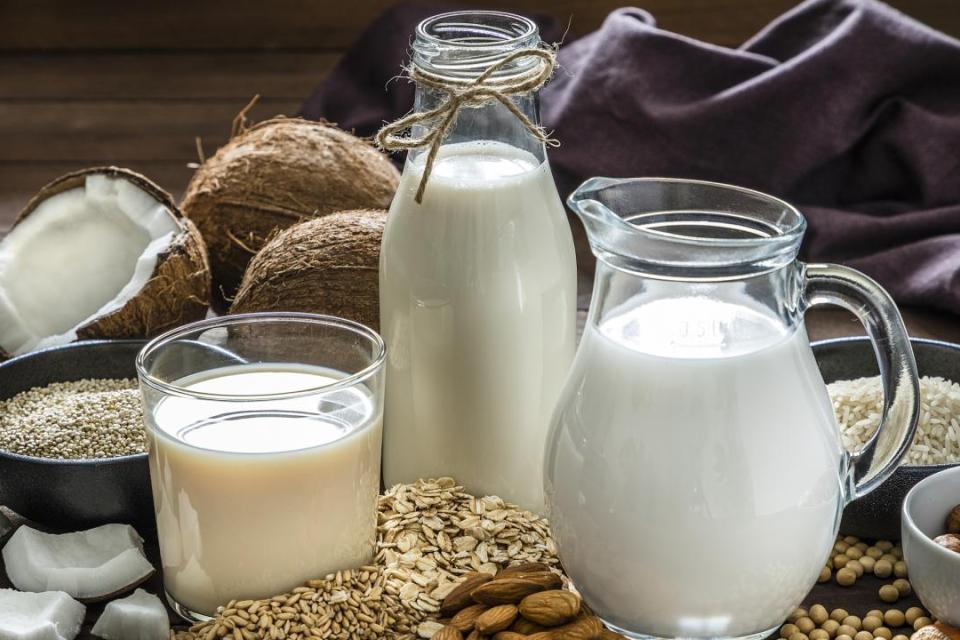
(429, 534)
(90, 418)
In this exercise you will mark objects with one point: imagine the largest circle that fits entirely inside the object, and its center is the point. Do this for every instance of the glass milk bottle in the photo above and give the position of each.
(477, 271)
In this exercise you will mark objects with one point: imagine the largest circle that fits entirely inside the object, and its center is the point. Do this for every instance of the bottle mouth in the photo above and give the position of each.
(687, 229)
(461, 45)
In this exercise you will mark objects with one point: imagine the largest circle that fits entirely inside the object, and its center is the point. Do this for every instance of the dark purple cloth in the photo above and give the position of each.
(846, 108)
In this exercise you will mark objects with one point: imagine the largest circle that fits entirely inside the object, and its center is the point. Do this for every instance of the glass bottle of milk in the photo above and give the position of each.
(478, 278)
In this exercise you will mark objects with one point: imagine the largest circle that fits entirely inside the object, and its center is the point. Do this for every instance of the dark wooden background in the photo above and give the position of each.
(134, 83)
(92, 82)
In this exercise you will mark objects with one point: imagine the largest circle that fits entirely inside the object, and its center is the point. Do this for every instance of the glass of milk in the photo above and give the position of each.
(694, 471)
(264, 435)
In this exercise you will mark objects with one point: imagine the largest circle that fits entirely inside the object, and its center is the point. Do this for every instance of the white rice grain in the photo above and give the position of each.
(858, 403)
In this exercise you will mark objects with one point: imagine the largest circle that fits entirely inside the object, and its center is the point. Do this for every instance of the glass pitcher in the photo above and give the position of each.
(694, 471)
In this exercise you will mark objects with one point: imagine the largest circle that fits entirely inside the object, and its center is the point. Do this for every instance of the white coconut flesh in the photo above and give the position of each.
(50, 615)
(79, 255)
(139, 616)
(87, 565)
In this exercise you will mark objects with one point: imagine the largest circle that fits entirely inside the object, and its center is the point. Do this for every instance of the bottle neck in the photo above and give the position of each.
(490, 122)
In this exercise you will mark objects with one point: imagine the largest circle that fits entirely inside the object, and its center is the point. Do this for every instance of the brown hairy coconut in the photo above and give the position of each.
(273, 175)
(326, 265)
(99, 253)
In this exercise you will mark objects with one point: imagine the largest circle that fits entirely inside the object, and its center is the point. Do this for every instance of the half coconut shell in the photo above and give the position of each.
(273, 175)
(99, 253)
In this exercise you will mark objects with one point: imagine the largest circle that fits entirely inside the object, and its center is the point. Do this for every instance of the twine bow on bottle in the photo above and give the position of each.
(482, 90)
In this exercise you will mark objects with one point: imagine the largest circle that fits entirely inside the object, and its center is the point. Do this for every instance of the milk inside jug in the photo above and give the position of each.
(694, 472)
(477, 278)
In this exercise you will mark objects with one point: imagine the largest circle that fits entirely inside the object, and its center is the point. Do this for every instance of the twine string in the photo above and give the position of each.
(396, 136)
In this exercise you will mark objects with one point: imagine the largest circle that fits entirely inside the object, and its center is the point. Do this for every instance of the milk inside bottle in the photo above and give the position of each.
(477, 277)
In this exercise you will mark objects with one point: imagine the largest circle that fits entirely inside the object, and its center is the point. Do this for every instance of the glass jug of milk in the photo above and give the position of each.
(694, 471)
(477, 274)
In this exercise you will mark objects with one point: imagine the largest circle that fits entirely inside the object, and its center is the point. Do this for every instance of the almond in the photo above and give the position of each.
(546, 579)
(585, 627)
(448, 633)
(473, 635)
(504, 591)
(465, 619)
(496, 619)
(527, 567)
(551, 608)
(525, 627)
(606, 634)
(460, 596)
(509, 635)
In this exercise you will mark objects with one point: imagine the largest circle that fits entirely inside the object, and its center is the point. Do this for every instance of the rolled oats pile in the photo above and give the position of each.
(429, 535)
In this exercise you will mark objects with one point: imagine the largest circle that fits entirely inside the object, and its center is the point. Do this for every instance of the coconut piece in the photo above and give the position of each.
(100, 253)
(88, 565)
(51, 615)
(326, 265)
(139, 616)
(274, 174)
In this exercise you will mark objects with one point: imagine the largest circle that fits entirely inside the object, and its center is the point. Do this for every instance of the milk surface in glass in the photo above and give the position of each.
(478, 300)
(255, 497)
(708, 470)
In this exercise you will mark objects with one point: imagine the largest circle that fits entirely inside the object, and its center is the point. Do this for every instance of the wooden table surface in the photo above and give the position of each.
(857, 599)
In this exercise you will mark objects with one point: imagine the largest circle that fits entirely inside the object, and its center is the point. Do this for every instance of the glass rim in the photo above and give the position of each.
(687, 229)
(423, 35)
(178, 333)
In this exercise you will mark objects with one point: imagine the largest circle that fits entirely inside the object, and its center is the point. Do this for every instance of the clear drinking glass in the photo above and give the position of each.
(264, 436)
(694, 471)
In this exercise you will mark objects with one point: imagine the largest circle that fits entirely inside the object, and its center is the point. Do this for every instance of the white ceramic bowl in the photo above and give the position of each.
(934, 571)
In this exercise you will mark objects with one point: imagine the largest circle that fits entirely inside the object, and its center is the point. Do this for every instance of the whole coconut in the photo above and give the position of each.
(273, 175)
(327, 265)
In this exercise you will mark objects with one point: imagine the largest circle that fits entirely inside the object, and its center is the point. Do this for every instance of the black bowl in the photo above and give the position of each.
(75, 494)
(78, 494)
(877, 515)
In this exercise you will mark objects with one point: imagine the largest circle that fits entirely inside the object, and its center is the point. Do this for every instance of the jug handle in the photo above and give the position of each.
(848, 288)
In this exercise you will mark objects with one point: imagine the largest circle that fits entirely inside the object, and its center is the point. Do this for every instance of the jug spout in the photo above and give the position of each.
(592, 205)
(679, 228)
